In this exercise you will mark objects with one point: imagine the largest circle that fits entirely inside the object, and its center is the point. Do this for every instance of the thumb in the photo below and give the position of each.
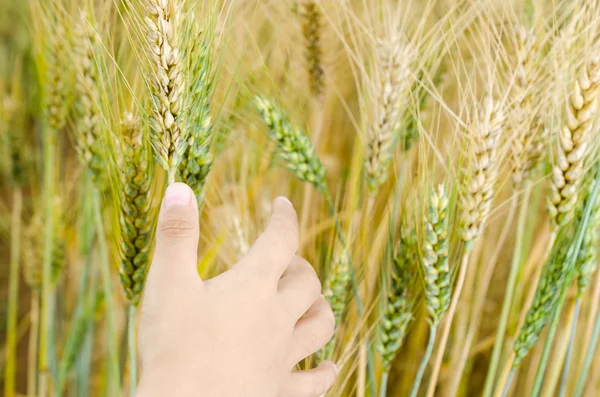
(177, 233)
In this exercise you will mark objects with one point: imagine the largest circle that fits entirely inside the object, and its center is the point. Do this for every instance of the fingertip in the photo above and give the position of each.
(177, 194)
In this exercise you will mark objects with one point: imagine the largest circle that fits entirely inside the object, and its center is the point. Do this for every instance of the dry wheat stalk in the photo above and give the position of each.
(392, 87)
(478, 192)
(135, 216)
(436, 270)
(163, 28)
(573, 142)
(531, 135)
(88, 124)
(400, 300)
(294, 148)
(197, 159)
(312, 32)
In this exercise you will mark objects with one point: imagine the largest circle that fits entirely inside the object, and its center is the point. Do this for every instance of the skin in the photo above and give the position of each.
(240, 333)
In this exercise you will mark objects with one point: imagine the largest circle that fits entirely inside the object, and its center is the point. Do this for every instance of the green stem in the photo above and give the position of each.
(589, 358)
(13, 294)
(508, 298)
(417, 383)
(32, 354)
(47, 292)
(113, 354)
(563, 381)
(357, 299)
(131, 348)
(171, 177)
(511, 375)
(383, 385)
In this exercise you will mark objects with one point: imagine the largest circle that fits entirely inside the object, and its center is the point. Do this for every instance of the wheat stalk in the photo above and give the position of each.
(135, 219)
(400, 301)
(392, 88)
(294, 147)
(477, 194)
(88, 124)
(573, 142)
(163, 22)
(312, 32)
(197, 159)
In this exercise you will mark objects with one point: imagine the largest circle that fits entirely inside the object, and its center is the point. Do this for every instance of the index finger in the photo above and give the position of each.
(274, 249)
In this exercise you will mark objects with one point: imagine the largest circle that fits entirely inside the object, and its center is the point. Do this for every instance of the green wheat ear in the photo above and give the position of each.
(293, 146)
(400, 300)
(135, 220)
(197, 159)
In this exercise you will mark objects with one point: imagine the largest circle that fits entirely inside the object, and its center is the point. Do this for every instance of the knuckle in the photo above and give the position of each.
(174, 226)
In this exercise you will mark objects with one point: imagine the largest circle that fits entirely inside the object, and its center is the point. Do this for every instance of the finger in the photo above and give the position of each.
(177, 232)
(276, 246)
(313, 331)
(311, 383)
(299, 287)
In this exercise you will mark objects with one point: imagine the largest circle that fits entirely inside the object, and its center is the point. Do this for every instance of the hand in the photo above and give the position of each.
(238, 334)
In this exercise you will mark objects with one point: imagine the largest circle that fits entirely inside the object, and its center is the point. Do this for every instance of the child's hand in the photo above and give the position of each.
(239, 334)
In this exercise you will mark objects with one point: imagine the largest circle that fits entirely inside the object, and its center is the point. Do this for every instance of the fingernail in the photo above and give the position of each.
(283, 198)
(177, 194)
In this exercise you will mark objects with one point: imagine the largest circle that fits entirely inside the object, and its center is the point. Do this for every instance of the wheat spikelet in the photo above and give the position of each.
(436, 270)
(477, 195)
(294, 148)
(197, 160)
(400, 301)
(135, 216)
(391, 85)
(88, 125)
(312, 32)
(573, 142)
(531, 135)
(11, 138)
(163, 24)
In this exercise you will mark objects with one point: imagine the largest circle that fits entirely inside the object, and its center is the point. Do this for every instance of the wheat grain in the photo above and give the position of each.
(294, 148)
(312, 32)
(135, 216)
(163, 27)
(88, 124)
(478, 191)
(573, 142)
(436, 270)
(391, 93)
(400, 300)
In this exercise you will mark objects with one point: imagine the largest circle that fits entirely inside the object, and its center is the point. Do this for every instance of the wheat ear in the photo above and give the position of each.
(573, 142)
(163, 27)
(531, 135)
(391, 93)
(400, 300)
(135, 216)
(88, 125)
(294, 147)
(312, 32)
(436, 272)
(197, 159)
(587, 257)
(477, 194)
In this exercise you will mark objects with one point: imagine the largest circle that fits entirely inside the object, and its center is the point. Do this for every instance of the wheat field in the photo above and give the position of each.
(443, 157)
